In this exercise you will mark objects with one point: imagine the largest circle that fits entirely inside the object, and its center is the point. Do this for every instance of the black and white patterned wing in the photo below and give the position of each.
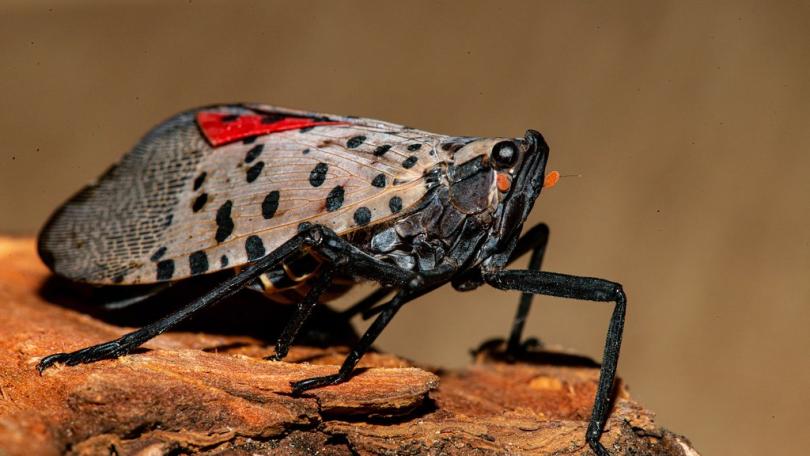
(177, 206)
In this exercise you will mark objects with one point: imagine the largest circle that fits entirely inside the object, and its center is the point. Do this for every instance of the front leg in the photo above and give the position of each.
(585, 288)
(302, 312)
(535, 240)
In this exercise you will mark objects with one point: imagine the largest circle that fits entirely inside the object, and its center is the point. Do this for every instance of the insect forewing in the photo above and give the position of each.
(177, 206)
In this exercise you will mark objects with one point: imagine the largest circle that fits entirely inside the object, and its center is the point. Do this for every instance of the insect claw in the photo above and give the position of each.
(50, 360)
(109, 350)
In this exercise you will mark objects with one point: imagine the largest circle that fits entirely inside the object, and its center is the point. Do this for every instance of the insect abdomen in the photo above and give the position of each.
(290, 282)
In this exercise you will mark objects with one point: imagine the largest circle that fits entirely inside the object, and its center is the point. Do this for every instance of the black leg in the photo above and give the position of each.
(388, 312)
(413, 290)
(586, 288)
(329, 245)
(302, 311)
(535, 240)
(366, 303)
(130, 341)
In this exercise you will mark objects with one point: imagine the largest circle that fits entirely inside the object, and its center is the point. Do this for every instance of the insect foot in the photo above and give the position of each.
(50, 360)
(592, 437)
(301, 386)
(109, 350)
(494, 348)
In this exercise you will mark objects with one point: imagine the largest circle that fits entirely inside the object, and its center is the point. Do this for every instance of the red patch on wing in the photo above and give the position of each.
(221, 128)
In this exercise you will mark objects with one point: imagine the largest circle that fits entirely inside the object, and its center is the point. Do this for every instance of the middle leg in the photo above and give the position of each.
(413, 290)
(388, 312)
(360, 307)
(339, 255)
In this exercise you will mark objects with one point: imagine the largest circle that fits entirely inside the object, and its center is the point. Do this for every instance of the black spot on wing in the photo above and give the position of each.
(198, 262)
(254, 171)
(249, 140)
(410, 161)
(165, 270)
(199, 203)
(223, 261)
(379, 181)
(355, 141)
(254, 247)
(254, 153)
(158, 254)
(414, 147)
(381, 150)
(335, 199)
(270, 204)
(224, 221)
(318, 174)
(306, 129)
(395, 204)
(199, 181)
(305, 151)
(362, 216)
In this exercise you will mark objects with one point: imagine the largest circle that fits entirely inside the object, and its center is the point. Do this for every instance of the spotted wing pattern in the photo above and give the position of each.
(176, 206)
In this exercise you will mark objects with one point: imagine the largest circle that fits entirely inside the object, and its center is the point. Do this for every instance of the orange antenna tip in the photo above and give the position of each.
(551, 179)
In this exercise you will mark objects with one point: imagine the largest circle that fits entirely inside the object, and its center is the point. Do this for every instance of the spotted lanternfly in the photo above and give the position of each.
(297, 205)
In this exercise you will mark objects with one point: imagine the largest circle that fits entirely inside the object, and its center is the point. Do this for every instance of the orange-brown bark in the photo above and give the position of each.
(216, 395)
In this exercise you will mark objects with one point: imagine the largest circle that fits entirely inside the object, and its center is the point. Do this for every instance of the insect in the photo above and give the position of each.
(301, 205)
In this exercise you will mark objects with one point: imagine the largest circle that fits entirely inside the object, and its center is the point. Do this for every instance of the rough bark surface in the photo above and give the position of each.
(209, 394)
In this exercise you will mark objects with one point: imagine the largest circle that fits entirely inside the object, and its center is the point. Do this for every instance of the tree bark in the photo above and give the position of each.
(214, 394)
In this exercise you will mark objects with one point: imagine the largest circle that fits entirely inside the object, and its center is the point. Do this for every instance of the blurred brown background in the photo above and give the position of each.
(688, 122)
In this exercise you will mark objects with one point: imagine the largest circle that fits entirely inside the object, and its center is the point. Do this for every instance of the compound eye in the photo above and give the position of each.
(504, 154)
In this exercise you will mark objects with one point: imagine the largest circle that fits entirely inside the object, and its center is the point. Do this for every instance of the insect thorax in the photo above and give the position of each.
(424, 240)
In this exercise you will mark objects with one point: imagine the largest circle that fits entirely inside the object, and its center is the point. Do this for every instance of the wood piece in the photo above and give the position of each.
(214, 395)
